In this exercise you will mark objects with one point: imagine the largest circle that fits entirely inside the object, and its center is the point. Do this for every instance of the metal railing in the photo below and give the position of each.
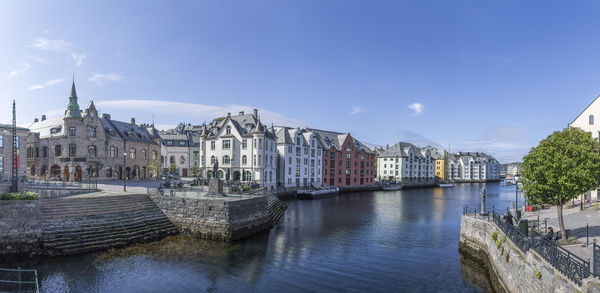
(18, 280)
(572, 266)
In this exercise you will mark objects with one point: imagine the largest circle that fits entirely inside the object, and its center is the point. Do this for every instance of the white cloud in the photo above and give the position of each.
(78, 58)
(101, 78)
(37, 59)
(50, 45)
(45, 84)
(16, 72)
(356, 110)
(417, 107)
(192, 112)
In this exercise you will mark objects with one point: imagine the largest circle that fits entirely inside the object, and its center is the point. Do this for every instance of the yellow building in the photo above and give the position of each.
(440, 168)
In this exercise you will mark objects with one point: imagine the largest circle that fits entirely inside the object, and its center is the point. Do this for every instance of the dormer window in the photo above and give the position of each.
(248, 127)
(228, 130)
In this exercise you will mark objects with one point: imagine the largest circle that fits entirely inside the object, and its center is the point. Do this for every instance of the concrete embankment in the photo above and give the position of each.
(512, 270)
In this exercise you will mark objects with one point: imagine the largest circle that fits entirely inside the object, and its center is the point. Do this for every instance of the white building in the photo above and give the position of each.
(586, 120)
(467, 166)
(174, 149)
(300, 153)
(406, 163)
(246, 150)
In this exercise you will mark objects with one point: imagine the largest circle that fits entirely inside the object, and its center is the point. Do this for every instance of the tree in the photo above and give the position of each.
(173, 168)
(195, 170)
(563, 166)
(154, 168)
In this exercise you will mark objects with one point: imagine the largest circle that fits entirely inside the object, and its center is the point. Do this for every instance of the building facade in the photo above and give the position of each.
(81, 145)
(245, 150)
(408, 164)
(175, 149)
(6, 151)
(346, 161)
(299, 157)
(473, 167)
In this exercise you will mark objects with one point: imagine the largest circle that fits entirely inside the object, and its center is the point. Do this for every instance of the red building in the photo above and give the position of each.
(346, 161)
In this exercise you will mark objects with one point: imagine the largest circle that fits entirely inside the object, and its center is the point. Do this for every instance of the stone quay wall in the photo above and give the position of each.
(20, 227)
(510, 268)
(215, 219)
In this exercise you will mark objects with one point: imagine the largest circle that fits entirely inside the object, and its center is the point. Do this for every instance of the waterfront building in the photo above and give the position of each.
(244, 148)
(175, 149)
(586, 120)
(6, 151)
(300, 152)
(346, 161)
(81, 144)
(473, 167)
(406, 163)
(441, 159)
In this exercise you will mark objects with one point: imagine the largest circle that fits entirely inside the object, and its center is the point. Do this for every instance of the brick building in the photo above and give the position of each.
(346, 161)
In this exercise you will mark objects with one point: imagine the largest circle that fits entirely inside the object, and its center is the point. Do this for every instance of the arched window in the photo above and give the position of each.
(591, 119)
(92, 151)
(244, 160)
(226, 160)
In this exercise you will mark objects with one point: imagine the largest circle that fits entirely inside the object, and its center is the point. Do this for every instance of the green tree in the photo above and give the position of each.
(195, 170)
(563, 166)
(154, 168)
(173, 168)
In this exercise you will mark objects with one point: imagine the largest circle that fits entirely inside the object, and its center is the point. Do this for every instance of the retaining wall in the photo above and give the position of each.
(20, 227)
(514, 270)
(215, 219)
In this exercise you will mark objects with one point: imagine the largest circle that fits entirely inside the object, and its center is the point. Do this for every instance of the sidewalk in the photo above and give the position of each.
(576, 220)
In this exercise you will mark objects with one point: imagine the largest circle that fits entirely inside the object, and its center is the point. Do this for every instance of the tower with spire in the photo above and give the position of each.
(73, 110)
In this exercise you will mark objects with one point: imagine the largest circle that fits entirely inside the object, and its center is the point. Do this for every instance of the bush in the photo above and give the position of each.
(495, 236)
(25, 195)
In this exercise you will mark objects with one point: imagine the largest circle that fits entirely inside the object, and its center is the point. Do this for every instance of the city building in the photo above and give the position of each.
(346, 161)
(300, 152)
(473, 167)
(81, 145)
(441, 159)
(586, 120)
(175, 149)
(6, 151)
(245, 149)
(406, 163)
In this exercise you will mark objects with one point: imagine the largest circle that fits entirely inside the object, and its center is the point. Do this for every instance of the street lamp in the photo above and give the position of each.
(516, 192)
(124, 170)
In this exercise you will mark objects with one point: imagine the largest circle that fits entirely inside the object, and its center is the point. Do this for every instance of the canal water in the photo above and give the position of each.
(394, 241)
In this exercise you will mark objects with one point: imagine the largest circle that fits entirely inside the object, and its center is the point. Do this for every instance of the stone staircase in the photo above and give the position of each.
(277, 208)
(79, 225)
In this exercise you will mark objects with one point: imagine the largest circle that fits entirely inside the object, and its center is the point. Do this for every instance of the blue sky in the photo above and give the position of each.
(473, 75)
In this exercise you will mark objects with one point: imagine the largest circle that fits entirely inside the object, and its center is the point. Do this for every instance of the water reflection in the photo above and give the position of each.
(373, 241)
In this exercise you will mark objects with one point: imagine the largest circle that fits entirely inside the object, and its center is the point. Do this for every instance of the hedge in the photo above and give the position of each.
(25, 195)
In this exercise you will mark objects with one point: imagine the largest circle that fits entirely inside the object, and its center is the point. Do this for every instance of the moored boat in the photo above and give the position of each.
(317, 193)
(392, 186)
(446, 185)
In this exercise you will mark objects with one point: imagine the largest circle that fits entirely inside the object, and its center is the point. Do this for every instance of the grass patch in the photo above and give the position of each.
(25, 195)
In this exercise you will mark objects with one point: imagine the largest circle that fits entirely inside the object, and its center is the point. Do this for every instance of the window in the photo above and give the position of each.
(348, 148)
(92, 151)
(226, 144)
(57, 151)
(112, 152)
(71, 131)
(144, 155)
(591, 118)
(182, 160)
(244, 160)
(92, 131)
(154, 155)
(109, 172)
(172, 160)
(332, 155)
(1, 164)
(212, 145)
(260, 143)
(244, 144)
(347, 156)
(72, 150)
(228, 130)
(297, 140)
(212, 160)
(297, 151)
(1, 141)
(226, 160)
(132, 153)
(169, 142)
(182, 143)
(44, 152)
(37, 152)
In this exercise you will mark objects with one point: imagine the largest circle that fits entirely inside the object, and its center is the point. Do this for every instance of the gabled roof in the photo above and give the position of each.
(336, 140)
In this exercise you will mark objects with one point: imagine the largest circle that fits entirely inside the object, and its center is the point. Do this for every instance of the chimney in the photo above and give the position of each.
(387, 146)
(241, 113)
(106, 116)
(132, 120)
(255, 113)
(43, 117)
(35, 120)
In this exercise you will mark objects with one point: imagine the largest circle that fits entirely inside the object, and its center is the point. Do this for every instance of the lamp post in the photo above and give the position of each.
(124, 170)
(516, 192)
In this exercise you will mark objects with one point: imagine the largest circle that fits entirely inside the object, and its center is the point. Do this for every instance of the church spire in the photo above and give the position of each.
(73, 107)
